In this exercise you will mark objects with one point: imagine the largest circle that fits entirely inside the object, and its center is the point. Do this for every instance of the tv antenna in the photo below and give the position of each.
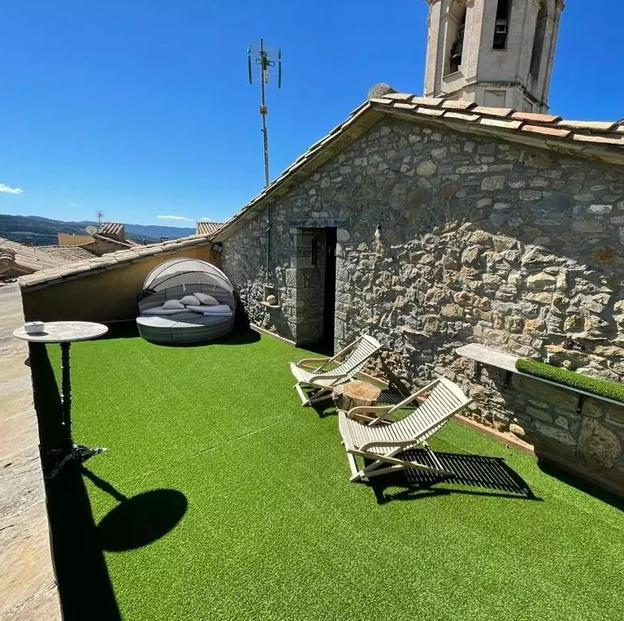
(99, 215)
(267, 62)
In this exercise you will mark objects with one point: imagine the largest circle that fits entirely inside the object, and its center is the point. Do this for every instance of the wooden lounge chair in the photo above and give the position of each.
(383, 442)
(319, 376)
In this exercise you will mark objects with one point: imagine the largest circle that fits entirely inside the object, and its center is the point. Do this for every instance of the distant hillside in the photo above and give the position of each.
(43, 231)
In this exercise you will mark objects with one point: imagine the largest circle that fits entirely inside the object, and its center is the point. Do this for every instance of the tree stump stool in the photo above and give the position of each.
(355, 393)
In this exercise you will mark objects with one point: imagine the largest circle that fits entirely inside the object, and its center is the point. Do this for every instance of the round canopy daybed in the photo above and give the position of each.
(186, 301)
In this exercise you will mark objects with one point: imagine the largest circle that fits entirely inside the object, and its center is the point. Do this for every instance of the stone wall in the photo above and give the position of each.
(580, 433)
(481, 241)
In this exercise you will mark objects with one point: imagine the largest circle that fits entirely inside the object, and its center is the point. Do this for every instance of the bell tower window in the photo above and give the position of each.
(538, 41)
(501, 26)
(455, 37)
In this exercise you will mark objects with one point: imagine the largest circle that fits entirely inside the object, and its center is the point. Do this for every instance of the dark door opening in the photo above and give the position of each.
(329, 298)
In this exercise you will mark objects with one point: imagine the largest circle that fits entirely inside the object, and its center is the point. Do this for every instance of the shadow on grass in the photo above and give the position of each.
(77, 542)
(489, 476)
(583, 486)
(139, 520)
(84, 584)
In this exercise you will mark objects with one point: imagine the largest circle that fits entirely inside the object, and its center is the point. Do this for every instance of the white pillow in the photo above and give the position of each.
(171, 304)
(190, 300)
(206, 300)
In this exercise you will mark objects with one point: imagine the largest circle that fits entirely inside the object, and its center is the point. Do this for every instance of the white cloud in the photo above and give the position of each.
(182, 218)
(7, 189)
(73, 205)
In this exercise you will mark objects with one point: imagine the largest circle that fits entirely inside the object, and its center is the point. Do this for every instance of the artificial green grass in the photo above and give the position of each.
(599, 387)
(274, 530)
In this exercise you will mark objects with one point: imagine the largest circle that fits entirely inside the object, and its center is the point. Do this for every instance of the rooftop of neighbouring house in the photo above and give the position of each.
(88, 263)
(114, 230)
(600, 140)
(208, 228)
(21, 259)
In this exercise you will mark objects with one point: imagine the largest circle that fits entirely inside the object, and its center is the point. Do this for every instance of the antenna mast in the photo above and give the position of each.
(266, 61)
(99, 215)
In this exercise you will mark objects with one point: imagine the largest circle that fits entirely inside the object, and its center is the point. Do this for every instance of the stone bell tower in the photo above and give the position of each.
(497, 53)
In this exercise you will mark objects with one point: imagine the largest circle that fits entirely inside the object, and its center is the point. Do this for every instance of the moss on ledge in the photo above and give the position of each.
(598, 387)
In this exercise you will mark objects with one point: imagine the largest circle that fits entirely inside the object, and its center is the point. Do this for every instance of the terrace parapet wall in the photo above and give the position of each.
(582, 434)
(481, 241)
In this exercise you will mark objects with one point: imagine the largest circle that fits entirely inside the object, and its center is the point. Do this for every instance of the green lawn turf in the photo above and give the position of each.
(273, 528)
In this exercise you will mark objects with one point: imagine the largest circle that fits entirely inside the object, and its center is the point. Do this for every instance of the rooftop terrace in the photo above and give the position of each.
(220, 497)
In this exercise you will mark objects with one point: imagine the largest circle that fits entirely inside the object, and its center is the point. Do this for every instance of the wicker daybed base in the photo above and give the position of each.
(174, 330)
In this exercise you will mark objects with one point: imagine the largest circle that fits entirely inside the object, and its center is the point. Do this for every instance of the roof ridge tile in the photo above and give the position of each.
(505, 124)
(462, 116)
(489, 111)
(547, 131)
(427, 101)
(535, 117)
(604, 126)
(458, 104)
(619, 140)
(399, 96)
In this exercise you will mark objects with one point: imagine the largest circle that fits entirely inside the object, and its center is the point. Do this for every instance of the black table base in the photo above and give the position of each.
(72, 452)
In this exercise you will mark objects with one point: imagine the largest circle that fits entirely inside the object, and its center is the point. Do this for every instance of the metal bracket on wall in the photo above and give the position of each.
(579, 403)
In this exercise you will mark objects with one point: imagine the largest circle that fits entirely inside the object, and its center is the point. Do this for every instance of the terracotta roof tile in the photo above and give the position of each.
(600, 126)
(615, 140)
(547, 131)
(399, 96)
(535, 118)
(405, 106)
(109, 261)
(453, 104)
(116, 230)
(208, 228)
(602, 140)
(461, 116)
(430, 111)
(501, 123)
(500, 112)
(427, 101)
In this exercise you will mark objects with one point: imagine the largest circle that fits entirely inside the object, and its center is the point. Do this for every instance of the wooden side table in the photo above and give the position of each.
(355, 393)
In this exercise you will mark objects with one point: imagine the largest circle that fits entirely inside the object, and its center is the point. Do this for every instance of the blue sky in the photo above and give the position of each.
(142, 109)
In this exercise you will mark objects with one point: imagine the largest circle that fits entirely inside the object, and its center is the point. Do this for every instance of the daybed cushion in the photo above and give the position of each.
(190, 300)
(173, 304)
(161, 310)
(205, 299)
(219, 309)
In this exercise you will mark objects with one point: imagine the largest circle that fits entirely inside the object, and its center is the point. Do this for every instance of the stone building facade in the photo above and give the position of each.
(446, 237)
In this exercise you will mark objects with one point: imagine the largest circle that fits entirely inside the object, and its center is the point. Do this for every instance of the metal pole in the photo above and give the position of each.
(264, 66)
(66, 395)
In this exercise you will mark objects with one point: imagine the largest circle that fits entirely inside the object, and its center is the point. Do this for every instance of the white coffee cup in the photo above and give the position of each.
(34, 327)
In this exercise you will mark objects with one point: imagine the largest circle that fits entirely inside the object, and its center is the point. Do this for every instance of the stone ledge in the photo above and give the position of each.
(494, 358)
(27, 583)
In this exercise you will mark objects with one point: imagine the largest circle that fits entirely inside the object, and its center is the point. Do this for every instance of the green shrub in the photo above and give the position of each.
(599, 387)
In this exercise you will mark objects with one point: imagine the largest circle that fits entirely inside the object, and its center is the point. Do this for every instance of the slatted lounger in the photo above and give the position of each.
(317, 377)
(383, 442)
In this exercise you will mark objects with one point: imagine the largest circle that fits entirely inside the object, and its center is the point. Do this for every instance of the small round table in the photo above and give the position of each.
(65, 333)
(355, 393)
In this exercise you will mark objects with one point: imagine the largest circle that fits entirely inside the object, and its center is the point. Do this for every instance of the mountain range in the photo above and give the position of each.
(43, 231)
